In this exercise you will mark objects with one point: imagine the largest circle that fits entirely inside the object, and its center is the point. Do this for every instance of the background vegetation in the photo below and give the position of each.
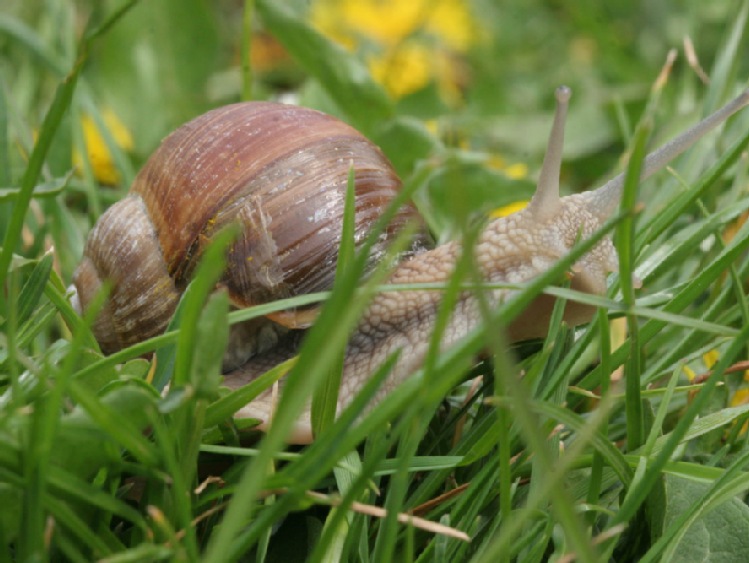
(624, 440)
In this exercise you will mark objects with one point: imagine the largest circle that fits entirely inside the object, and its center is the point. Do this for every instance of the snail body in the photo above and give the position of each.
(512, 249)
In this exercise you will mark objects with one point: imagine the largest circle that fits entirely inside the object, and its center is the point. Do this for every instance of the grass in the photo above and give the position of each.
(619, 440)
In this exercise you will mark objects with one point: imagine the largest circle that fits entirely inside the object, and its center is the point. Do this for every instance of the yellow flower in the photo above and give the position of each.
(506, 210)
(403, 70)
(516, 171)
(267, 53)
(740, 396)
(389, 22)
(452, 21)
(710, 358)
(409, 42)
(98, 153)
(691, 376)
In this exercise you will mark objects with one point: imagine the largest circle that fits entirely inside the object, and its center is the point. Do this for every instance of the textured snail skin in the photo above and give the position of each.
(512, 249)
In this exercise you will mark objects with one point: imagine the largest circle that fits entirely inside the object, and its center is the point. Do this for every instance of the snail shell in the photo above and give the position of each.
(280, 171)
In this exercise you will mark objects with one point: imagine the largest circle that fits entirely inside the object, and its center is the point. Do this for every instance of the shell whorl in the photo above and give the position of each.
(123, 249)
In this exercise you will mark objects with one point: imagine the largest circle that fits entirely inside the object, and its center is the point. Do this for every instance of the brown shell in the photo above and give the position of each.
(281, 172)
(123, 250)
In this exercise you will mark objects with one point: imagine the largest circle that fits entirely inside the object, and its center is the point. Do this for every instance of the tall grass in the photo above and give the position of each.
(620, 440)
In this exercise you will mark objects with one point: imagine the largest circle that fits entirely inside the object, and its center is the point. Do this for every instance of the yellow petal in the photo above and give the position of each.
(97, 151)
(506, 210)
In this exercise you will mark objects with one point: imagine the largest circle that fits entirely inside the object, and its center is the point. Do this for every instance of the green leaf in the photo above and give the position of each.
(209, 271)
(406, 141)
(705, 424)
(46, 189)
(479, 189)
(212, 337)
(121, 416)
(719, 536)
(173, 360)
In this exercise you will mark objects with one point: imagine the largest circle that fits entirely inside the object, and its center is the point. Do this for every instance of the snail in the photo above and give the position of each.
(280, 171)
(246, 160)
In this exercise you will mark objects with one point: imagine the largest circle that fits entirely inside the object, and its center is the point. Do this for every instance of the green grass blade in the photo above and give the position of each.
(227, 405)
(209, 271)
(247, 13)
(333, 325)
(5, 174)
(726, 63)
(325, 397)
(52, 119)
(33, 289)
(626, 238)
(23, 35)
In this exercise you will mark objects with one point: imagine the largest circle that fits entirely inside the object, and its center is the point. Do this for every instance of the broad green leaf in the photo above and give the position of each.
(705, 424)
(719, 536)
(94, 433)
(406, 141)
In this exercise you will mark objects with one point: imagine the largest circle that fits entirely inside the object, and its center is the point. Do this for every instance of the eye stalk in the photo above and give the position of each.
(546, 201)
